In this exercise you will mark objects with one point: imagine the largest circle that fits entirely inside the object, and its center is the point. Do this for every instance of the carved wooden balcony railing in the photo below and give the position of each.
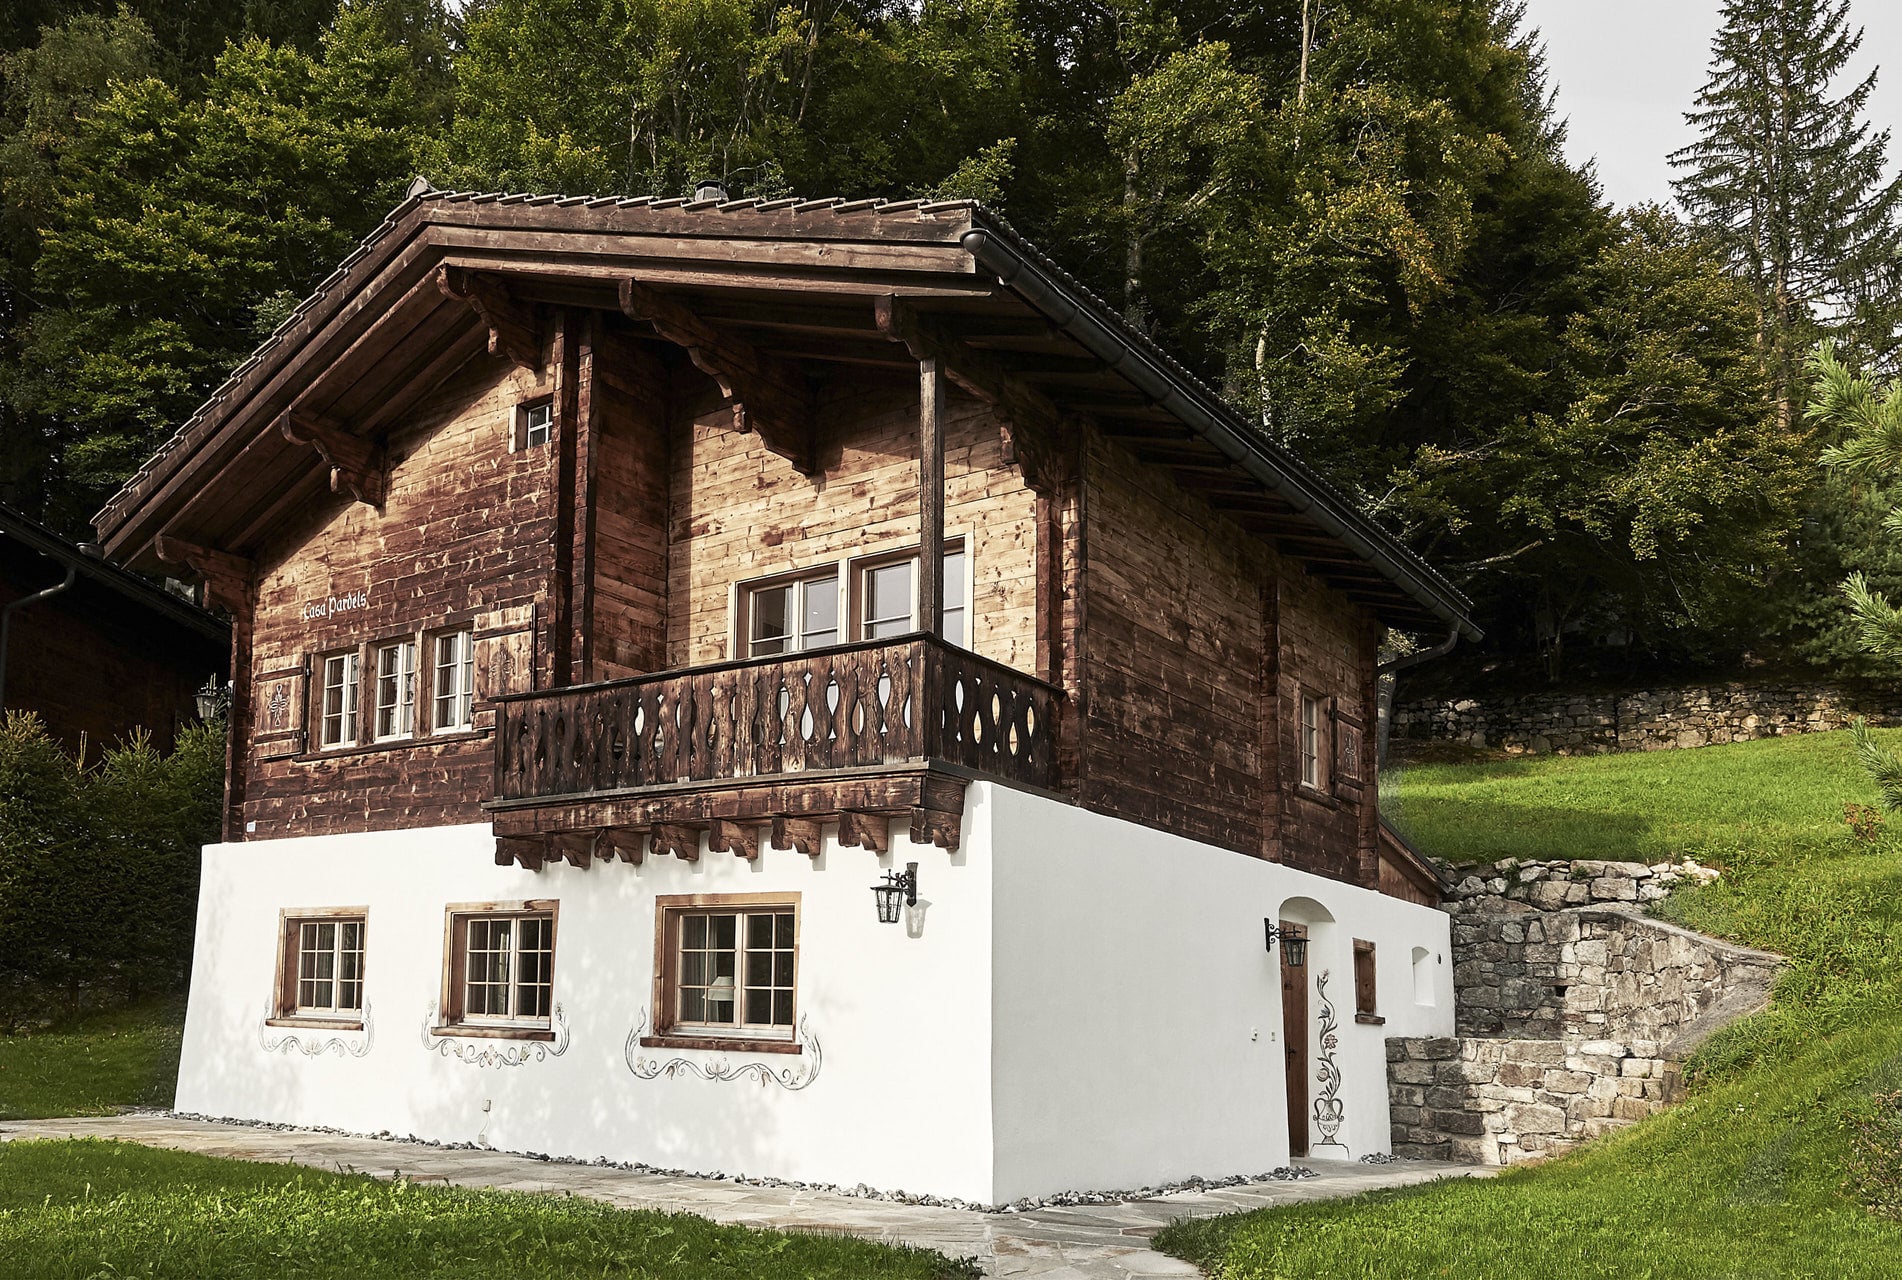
(913, 700)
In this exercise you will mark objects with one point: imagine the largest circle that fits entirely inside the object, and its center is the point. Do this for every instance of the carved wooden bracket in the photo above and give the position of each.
(803, 834)
(679, 839)
(864, 831)
(934, 826)
(768, 394)
(530, 851)
(1035, 432)
(513, 331)
(626, 844)
(576, 848)
(227, 577)
(738, 838)
(357, 466)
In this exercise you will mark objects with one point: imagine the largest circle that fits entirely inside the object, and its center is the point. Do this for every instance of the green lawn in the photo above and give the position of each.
(124, 1059)
(91, 1208)
(1760, 1174)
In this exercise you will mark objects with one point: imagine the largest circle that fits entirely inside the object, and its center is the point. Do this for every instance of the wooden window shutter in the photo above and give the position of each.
(1363, 976)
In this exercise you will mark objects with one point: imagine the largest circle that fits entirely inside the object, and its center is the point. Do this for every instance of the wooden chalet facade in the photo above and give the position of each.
(722, 538)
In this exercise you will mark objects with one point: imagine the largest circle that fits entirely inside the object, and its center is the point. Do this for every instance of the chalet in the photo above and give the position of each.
(792, 688)
(96, 652)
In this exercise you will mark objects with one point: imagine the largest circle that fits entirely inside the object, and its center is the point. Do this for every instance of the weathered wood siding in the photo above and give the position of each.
(1190, 623)
(465, 538)
(741, 513)
(632, 497)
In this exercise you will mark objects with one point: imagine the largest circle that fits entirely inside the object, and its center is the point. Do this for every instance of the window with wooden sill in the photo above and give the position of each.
(499, 971)
(320, 968)
(726, 972)
(871, 597)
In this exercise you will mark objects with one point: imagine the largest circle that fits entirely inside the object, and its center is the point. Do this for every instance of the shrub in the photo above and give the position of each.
(99, 868)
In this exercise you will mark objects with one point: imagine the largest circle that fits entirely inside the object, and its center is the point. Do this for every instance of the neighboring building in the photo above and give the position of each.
(579, 551)
(108, 654)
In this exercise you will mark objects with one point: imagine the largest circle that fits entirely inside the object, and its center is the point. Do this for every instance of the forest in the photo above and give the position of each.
(1356, 221)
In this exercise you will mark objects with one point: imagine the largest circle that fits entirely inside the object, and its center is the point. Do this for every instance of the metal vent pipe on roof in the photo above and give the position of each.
(710, 189)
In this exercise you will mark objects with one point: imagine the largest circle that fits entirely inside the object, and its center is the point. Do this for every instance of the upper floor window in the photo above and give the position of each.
(339, 720)
(396, 690)
(454, 683)
(887, 593)
(1313, 733)
(534, 424)
(791, 616)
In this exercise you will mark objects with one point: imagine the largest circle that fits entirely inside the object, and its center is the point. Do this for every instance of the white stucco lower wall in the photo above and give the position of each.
(1078, 1003)
(1136, 1010)
(901, 1016)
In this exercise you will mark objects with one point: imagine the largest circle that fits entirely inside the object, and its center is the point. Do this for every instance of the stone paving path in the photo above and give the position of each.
(1087, 1242)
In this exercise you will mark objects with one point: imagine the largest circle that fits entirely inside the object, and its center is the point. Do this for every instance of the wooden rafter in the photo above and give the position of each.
(768, 394)
(357, 466)
(227, 577)
(513, 332)
(1034, 428)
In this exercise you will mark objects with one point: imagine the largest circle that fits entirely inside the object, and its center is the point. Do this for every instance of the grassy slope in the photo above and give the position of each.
(1745, 1180)
(123, 1059)
(88, 1208)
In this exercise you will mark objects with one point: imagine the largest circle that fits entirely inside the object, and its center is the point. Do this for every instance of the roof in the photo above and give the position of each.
(15, 527)
(798, 277)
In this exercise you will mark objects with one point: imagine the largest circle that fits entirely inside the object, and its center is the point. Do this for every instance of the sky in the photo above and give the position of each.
(1627, 70)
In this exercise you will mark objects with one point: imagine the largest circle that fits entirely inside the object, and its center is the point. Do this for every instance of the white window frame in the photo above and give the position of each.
(533, 417)
(462, 921)
(796, 640)
(459, 691)
(860, 568)
(402, 682)
(1312, 735)
(673, 912)
(291, 979)
(342, 727)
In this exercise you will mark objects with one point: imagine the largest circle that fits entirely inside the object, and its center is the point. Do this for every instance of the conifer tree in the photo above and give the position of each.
(1789, 180)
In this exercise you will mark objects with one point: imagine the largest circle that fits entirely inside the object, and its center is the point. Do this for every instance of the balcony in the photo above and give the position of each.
(860, 734)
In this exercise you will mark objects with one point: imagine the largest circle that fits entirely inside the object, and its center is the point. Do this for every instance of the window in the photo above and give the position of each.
(455, 682)
(396, 690)
(321, 974)
(501, 970)
(535, 423)
(789, 617)
(1313, 732)
(885, 600)
(728, 967)
(951, 620)
(1364, 996)
(339, 720)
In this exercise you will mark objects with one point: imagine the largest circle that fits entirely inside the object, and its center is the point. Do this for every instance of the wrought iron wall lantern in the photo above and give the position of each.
(213, 699)
(1294, 941)
(898, 884)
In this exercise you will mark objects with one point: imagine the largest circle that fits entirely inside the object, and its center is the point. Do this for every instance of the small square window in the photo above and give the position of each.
(501, 968)
(338, 718)
(321, 972)
(535, 424)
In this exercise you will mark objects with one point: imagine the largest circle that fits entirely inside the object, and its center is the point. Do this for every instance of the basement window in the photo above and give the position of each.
(320, 971)
(500, 975)
(729, 968)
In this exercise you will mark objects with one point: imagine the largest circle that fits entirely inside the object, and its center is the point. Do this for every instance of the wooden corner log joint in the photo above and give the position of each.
(358, 466)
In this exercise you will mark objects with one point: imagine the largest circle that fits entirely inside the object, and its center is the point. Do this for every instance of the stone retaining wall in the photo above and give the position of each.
(1644, 719)
(1572, 1018)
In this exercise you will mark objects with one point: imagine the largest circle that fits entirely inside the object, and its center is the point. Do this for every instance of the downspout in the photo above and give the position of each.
(6, 622)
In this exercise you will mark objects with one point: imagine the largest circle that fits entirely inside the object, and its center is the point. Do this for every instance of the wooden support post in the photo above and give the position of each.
(930, 494)
(864, 831)
(803, 834)
(567, 363)
(738, 838)
(582, 457)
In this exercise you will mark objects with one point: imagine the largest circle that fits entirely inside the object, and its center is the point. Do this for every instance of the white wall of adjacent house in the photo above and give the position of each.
(900, 1099)
(1078, 1003)
(1136, 1029)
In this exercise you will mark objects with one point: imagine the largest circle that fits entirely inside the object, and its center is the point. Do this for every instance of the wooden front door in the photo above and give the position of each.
(1294, 1039)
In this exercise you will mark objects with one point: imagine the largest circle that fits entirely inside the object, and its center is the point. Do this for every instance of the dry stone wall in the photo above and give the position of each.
(1644, 719)
(1573, 1010)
